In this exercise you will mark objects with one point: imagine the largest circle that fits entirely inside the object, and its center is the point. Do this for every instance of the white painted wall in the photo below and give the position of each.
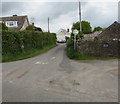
(61, 38)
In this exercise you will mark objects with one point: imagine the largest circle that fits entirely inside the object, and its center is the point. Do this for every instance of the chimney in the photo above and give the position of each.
(67, 30)
(14, 15)
(32, 24)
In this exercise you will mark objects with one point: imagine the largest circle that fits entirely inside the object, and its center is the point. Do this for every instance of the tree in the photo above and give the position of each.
(98, 29)
(3, 26)
(80, 35)
(30, 27)
(86, 28)
(33, 28)
(38, 29)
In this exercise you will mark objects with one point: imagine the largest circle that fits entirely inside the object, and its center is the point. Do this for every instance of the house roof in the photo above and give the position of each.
(63, 31)
(113, 31)
(19, 19)
(92, 35)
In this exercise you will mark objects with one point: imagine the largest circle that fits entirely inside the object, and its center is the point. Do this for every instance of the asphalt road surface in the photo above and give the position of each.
(52, 77)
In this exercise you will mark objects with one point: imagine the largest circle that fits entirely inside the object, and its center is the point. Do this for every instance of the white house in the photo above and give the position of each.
(15, 22)
(62, 34)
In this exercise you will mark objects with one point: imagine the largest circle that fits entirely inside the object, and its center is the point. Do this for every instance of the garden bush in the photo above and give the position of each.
(3, 26)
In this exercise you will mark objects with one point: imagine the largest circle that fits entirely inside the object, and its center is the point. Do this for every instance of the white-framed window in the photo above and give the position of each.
(11, 23)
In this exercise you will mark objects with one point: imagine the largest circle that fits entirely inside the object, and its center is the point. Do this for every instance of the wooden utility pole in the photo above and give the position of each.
(48, 25)
(80, 16)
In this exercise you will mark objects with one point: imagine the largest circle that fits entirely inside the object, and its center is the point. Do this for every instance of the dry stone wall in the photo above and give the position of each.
(99, 48)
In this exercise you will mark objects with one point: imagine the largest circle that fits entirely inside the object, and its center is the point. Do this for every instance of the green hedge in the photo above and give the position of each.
(16, 42)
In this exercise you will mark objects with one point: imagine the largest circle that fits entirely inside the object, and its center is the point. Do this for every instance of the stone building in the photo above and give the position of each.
(15, 22)
(92, 36)
(107, 44)
(111, 33)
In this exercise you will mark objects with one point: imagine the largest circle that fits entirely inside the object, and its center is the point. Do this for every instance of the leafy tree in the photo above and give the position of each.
(3, 26)
(86, 28)
(104, 28)
(33, 28)
(38, 29)
(80, 35)
(98, 29)
(30, 27)
(72, 35)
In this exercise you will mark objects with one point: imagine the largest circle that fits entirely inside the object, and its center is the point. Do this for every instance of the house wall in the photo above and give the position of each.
(25, 24)
(99, 48)
(62, 36)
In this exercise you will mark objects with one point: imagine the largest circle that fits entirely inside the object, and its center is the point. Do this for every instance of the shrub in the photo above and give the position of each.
(33, 28)
(3, 26)
(80, 35)
(70, 43)
(30, 27)
(71, 53)
(98, 29)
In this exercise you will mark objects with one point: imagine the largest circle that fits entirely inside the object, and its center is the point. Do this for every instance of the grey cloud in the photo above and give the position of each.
(52, 9)
(60, 12)
(102, 14)
(8, 7)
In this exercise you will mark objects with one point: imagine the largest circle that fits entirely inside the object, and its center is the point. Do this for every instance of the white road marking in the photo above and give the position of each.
(53, 58)
(44, 63)
(10, 81)
(38, 62)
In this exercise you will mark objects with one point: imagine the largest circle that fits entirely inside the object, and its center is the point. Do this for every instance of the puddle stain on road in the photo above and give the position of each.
(66, 64)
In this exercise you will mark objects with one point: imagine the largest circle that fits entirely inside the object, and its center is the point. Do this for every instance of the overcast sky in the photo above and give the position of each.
(63, 14)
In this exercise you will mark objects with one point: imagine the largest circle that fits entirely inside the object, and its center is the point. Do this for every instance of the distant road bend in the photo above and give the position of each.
(52, 77)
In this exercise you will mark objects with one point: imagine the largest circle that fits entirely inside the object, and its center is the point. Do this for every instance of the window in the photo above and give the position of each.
(11, 24)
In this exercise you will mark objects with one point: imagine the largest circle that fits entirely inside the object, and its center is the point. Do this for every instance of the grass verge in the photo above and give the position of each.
(28, 54)
(72, 54)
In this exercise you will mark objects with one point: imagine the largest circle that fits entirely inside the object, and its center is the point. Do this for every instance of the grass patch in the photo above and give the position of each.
(72, 54)
(27, 54)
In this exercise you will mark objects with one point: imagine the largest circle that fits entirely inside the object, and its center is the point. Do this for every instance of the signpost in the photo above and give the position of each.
(75, 32)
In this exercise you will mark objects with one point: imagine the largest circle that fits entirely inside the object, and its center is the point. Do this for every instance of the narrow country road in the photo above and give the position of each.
(52, 77)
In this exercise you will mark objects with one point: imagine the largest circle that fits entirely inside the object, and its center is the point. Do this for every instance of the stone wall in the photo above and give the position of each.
(99, 48)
